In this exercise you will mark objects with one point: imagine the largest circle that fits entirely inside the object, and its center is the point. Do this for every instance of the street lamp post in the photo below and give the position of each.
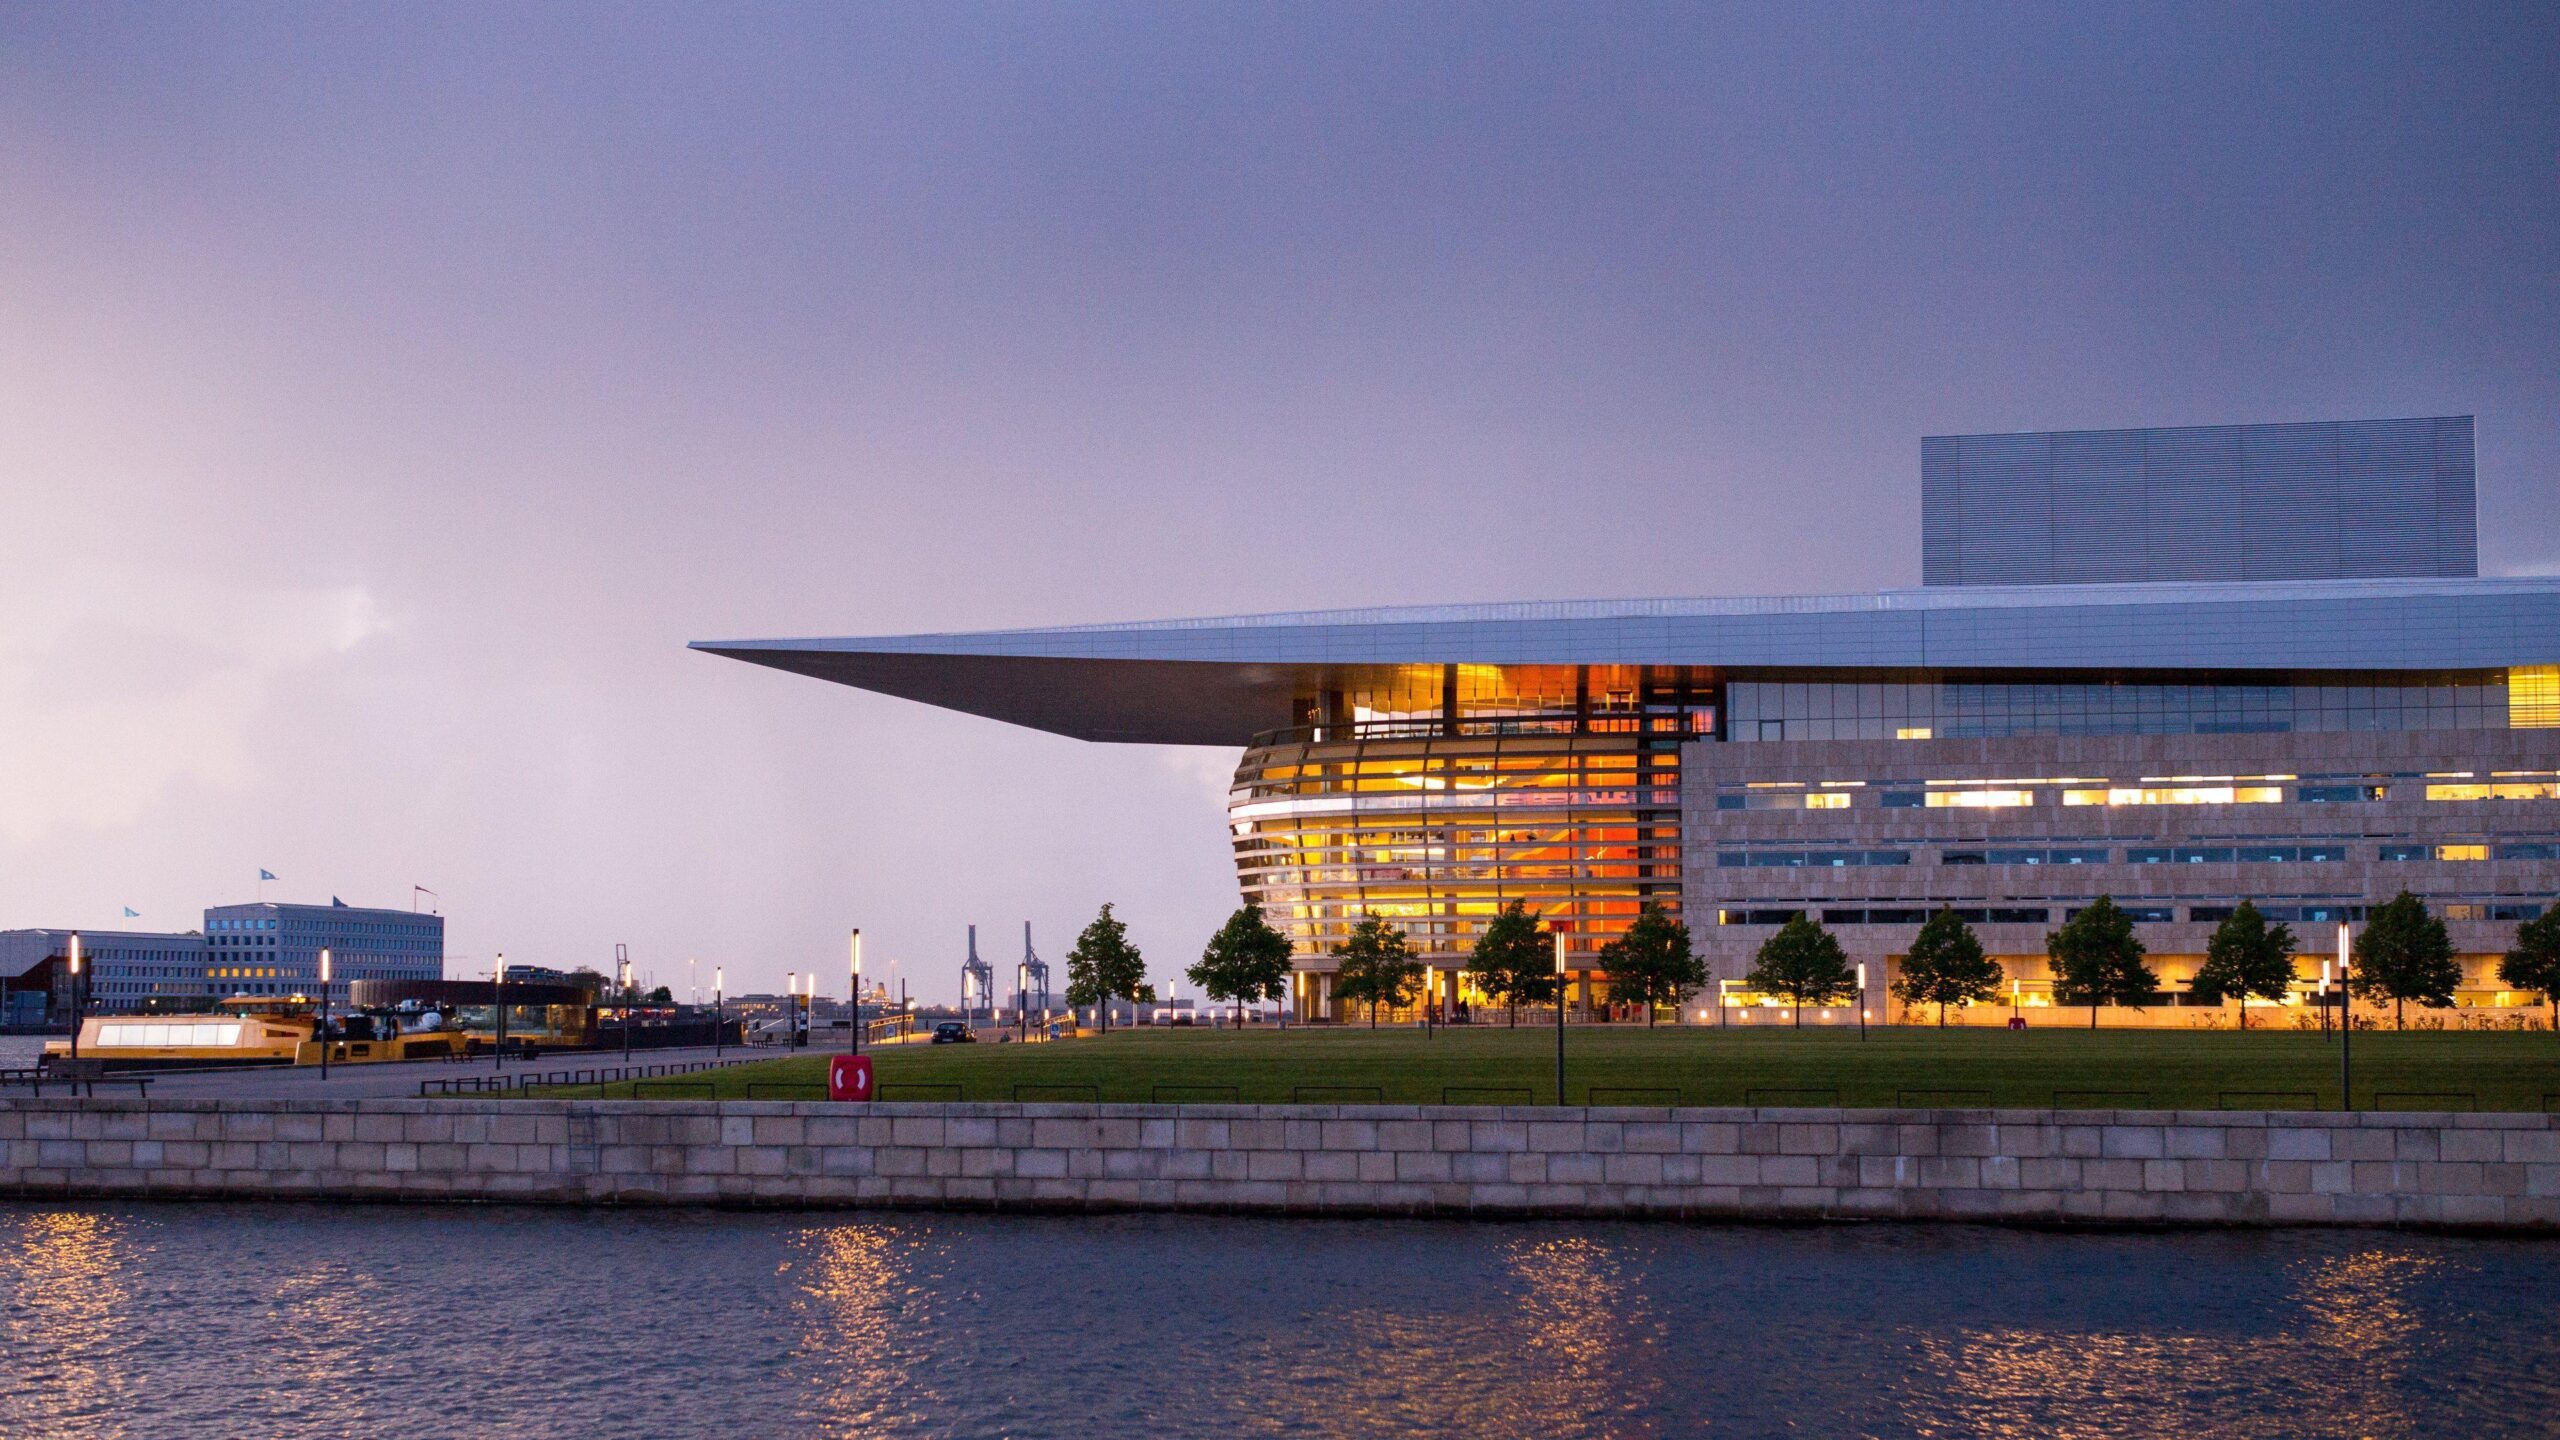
(1022, 1000)
(790, 1009)
(855, 1019)
(2346, 1024)
(75, 1004)
(622, 954)
(1559, 1015)
(498, 991)
(324, 1012)
(1862, 999)
(719, 1009)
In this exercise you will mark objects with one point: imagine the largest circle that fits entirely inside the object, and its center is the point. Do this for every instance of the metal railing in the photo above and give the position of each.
(518, 1081)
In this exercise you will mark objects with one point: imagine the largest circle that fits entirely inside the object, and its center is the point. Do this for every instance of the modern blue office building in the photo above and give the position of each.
(2177, 667)
(261, 948)
(268, 948)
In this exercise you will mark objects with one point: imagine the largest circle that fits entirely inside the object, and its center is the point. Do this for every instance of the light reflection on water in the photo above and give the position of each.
(319, 1320)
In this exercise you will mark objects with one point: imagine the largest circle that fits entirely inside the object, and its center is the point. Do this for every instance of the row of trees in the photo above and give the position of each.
(1248, 961)
(2402, 955)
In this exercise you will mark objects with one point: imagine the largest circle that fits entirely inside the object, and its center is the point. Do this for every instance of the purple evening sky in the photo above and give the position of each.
(387, 393)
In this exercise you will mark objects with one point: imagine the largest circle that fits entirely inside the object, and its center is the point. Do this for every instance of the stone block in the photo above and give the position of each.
(2476, 1145)
(1555, 1137)
(1629, 1169)
(1396, 1136)
(1574, 1169)
(1734, 1170)
(2193, 1142)
(2131, 1142)
(1430, 1167)
(1654, 1137)
(1274, 1165)
(2297, 1144)
(1785, 1170)
(1335, 1166)
(2049, 1172)
(1710, 1137)
(1808, 1139)
(2218, 1176)
(2461, 1177)
(1975, 1140)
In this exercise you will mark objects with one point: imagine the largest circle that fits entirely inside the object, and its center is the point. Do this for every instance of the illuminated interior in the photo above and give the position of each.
(1440, 794)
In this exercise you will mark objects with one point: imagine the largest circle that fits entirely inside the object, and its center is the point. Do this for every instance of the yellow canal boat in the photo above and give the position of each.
(257, 1030)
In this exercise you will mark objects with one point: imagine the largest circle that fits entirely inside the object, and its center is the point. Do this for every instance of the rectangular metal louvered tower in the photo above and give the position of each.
(2322, 500)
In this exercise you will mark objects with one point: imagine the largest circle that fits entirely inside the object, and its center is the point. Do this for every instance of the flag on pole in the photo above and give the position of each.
(335, 901)
(132, 914)
(266, 874)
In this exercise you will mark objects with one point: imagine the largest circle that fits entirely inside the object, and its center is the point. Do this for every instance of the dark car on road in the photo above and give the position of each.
(953, 1032)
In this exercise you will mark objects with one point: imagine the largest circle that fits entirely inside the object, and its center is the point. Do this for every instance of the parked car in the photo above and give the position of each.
(953, 1032)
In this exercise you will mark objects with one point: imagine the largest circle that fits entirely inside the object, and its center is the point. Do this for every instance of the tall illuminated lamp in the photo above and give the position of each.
(719, 1009)
(2346, 1024)
(854, 1018)
(75, 1004)
(1862, 999)
(1559, 934)
(622, 953)
(498, 1002)
(323, 1033)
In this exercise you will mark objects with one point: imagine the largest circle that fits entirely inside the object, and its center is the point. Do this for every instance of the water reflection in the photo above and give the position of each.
(328, 1321)
(66, 1302)
(2345, 1335)
(856, 1301)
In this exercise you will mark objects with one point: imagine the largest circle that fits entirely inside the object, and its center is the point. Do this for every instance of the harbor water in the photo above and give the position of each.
(314, 1320)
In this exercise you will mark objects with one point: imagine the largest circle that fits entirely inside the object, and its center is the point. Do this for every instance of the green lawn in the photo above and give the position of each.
(2054, 1066)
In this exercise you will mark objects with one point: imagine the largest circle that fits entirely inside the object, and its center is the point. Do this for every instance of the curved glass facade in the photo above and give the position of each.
(1437, 832)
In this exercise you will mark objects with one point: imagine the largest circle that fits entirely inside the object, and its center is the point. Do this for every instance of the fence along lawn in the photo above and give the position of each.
(2053, 1067)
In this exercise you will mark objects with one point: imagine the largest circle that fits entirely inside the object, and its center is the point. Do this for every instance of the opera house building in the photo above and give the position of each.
(2178, 667)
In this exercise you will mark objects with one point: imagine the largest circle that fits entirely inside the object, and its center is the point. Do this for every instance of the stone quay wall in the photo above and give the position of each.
(2031, 1167)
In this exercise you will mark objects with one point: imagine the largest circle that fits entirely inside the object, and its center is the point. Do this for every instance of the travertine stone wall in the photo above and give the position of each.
(2150, 1167)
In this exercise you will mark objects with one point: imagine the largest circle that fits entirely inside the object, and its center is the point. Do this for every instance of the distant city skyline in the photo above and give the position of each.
(387, 396)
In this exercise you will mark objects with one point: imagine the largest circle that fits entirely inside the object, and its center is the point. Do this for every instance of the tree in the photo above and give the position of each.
(662, 996)
(1105, 967)
(1245, 960)
(2096, 961)
(1377, 966)
(2404, 955)
(1514, 961)
(1946, 967)
(1651, 965)
(2535, 962)
(2246, 957)
(1804, 963)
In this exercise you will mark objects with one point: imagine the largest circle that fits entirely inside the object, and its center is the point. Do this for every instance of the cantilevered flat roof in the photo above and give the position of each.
(1218, 681)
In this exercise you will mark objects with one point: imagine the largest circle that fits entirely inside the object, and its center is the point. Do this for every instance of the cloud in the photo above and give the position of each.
(128, 683)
